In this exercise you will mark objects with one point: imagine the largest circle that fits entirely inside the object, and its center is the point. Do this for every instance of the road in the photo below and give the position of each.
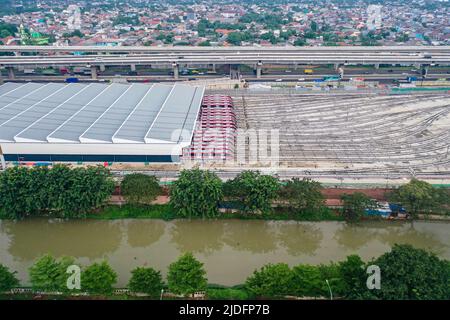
(224, 59)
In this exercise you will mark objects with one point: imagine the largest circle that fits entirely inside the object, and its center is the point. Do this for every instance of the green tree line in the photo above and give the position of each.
(58, 191)
(406, 273)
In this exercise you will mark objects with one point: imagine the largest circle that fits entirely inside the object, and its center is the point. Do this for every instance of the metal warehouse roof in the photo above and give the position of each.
(98, 113)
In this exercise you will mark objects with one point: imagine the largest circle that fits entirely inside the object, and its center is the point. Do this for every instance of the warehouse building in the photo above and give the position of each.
(97, 122)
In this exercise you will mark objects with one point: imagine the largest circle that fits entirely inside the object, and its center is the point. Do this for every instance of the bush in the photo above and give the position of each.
(420, 196)
(408, 273)
(59, 191)
(303, 195)
(186, 275)
(227, 294)
(8, 279)
(353, 273)
(307, 281)
(146, 280)
(272, 280)
(196, 193)
(98, 278)
(138, 188)
(49, 274)
(254, 191)
(354, 206)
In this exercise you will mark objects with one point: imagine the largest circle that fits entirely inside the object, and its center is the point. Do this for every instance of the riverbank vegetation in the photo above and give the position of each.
(83, 192)
(57, 192)
(407, 273)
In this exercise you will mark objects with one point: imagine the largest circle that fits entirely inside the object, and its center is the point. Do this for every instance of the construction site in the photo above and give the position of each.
(332, 134)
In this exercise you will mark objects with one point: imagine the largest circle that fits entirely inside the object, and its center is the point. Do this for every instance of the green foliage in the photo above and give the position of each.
(127, 211)
(299, 42)
(49, 274)
(204, 44)
(8, 279)
(7, 30)
(412, 274)
(419, 196)
(236, 38)
(332, 273)
(253, 190)
(98, 278)
(196, 193)
(353, 273)
(146, 280)
(186, 275)
(138, 188)
(307, 281)
(272, 280)
(131, 20)
(269, 20)
(303, 195)
(227, 294)
(59, 191)
(75, 33)
(354, 206)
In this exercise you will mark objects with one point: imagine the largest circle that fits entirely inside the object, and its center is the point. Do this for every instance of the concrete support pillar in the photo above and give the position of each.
(11, 75)
(377, 66)
(17, 53)
(133, 67)
(424, 71)
(94, 72)
(102, 68)
(258, 70)
(234, 71)
(336, 66)
(176, 70)
(213, 67)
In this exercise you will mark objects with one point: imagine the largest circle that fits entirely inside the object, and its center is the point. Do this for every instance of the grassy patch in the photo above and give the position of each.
(157, 211)
(227, 294)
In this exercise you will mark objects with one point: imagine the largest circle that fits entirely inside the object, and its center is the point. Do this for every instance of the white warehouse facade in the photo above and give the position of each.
(97, 122)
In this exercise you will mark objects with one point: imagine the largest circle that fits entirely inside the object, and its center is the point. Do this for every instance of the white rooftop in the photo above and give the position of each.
(98, 113)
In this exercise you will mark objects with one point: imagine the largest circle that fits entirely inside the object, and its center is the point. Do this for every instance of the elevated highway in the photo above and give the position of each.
(234, 49)
(101, 57)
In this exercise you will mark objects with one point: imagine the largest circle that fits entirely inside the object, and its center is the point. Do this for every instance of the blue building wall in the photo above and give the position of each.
(90, 158)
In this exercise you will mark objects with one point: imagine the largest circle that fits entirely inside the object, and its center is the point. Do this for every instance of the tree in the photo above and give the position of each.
(186, 275)
(98, 278)
(355, 204)
(255, 191)
(272, 280)
(58, 191)
(138, 188)
(353, 273)
(146, 280)
(49, 274)
(206, 43)
(307, 281)
(8, 279)
(196, 193)
(419, 196)
(299, 42)
(303, 195)
(408, 273)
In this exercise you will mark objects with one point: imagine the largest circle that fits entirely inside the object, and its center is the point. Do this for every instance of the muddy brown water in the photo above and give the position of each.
(230, 249)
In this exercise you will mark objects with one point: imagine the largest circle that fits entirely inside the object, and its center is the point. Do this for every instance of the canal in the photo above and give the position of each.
(230, 249)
